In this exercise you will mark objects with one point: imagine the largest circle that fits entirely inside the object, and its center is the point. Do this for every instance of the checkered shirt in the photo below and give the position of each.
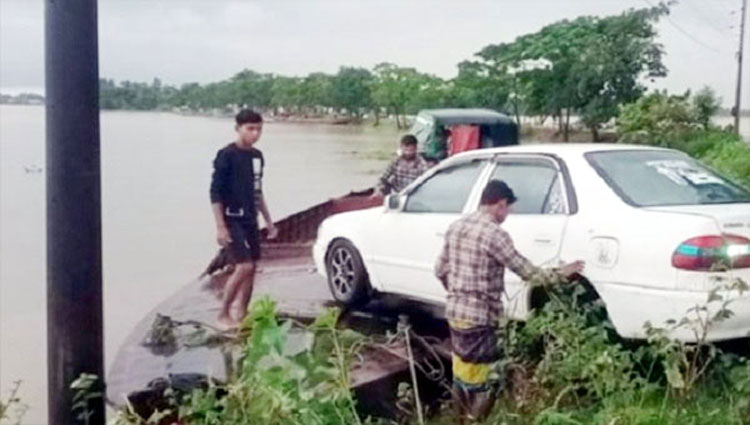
(472, 266)
(400, 173)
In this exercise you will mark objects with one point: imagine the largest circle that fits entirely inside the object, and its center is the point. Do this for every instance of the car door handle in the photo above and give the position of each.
(545, 241)
(440, 234)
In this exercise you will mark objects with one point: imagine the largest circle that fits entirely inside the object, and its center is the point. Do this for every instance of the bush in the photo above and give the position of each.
(657, 119)
(576, 372)
(683, 123)
(731, 157)
(273, 387)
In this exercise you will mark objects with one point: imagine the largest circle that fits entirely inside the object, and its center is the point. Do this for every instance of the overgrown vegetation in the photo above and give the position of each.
(565, 365)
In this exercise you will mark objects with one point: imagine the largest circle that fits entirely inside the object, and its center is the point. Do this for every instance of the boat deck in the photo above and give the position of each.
(181, 334)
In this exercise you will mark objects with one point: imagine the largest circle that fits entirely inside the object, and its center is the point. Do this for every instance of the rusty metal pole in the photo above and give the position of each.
(74, 264)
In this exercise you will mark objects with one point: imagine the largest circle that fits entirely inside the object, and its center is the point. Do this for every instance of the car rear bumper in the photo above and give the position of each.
(631, 307)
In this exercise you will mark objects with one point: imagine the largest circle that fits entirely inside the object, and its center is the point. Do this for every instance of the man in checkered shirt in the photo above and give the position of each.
(472, 267)
(404, 169)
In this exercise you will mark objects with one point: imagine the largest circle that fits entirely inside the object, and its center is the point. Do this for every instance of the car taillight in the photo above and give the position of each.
(713, 253)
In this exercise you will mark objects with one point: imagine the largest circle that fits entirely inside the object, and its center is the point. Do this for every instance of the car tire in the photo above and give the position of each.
(347, 276)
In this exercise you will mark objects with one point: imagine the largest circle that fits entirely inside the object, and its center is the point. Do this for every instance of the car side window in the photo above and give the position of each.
(446, 191)
(536, 184)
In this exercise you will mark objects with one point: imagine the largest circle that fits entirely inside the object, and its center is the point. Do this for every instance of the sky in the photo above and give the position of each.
(202, 41)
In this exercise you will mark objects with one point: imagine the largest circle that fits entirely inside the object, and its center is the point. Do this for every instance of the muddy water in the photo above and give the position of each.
(157, 224)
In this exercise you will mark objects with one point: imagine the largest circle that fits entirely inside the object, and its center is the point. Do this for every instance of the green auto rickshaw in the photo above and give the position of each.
(444, 132)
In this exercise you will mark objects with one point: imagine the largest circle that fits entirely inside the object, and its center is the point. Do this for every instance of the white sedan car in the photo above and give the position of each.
(652, 224)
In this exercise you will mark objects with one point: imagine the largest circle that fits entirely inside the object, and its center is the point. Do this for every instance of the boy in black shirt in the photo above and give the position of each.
(236, 197)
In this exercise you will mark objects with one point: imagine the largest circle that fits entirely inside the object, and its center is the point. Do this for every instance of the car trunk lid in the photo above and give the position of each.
(733, 219)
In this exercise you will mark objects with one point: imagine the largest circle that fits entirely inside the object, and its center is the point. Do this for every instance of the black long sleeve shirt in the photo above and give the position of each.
(237, 180)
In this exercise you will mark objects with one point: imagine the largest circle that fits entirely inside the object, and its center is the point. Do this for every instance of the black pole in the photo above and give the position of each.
(74, 265)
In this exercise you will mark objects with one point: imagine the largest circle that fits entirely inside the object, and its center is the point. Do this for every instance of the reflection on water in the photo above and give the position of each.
(158, 231)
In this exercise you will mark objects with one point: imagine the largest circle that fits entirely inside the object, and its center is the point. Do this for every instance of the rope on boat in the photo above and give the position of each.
(404, 326)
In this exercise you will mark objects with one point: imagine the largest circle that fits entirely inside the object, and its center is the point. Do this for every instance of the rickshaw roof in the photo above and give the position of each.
(453, 116)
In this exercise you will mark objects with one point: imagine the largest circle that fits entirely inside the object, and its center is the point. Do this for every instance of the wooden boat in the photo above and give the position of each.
(298, 231)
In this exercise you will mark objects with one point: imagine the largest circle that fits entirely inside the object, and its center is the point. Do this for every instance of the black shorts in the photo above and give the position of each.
(245, 244)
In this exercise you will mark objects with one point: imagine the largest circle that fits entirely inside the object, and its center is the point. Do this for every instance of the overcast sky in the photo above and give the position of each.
(208, 40)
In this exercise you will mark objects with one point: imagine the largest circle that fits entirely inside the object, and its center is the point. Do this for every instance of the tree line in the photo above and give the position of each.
(588, 67)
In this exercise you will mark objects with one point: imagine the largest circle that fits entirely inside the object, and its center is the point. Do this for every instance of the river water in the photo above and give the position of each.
(158, 230)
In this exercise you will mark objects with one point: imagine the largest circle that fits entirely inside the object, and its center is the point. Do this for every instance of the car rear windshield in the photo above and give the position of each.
(650, 178)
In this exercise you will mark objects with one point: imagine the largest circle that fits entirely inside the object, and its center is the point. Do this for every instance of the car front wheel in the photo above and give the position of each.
(347, 277)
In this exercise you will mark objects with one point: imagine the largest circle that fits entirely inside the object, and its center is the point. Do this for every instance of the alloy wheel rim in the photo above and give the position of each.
(343, 274)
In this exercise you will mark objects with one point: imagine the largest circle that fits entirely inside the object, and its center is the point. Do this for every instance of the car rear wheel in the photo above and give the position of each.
(347, 277)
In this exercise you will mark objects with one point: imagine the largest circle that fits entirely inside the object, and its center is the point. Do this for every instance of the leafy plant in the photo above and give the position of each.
(273, 387)
(12, 409)
(84, 392)
(685, 364)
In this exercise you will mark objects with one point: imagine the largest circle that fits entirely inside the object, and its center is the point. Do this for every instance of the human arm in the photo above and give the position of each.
(384, 184)
(261, 202)
(505, 252)
(219, 181)
(442, 266)
(222, 232)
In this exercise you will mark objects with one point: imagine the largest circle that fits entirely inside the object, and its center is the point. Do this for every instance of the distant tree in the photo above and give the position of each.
(395, 87)
(252, 89)
(189, 95)
(315, 91)
(590, 66)
(433, 92)
(351, 89)
(480, 85)
(286, 92)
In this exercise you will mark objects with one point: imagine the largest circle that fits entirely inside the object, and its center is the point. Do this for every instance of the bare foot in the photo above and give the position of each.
(241, 316)
(227, 322)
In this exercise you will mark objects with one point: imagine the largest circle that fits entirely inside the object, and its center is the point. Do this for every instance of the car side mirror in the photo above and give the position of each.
(393, 202)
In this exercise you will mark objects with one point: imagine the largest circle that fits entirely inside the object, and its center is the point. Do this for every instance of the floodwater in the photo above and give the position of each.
(725, 120)
(158, 231)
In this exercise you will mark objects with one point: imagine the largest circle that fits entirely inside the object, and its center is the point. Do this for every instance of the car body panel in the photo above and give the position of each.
(627, 249)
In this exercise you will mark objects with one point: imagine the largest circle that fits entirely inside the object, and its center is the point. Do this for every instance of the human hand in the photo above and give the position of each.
(273, 231)
(222, 236)
(570, 269)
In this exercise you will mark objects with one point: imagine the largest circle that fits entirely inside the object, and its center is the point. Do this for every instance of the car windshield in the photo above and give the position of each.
(650, 178)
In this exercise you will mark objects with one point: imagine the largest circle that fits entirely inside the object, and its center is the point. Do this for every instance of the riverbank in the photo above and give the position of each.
(531, 129)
